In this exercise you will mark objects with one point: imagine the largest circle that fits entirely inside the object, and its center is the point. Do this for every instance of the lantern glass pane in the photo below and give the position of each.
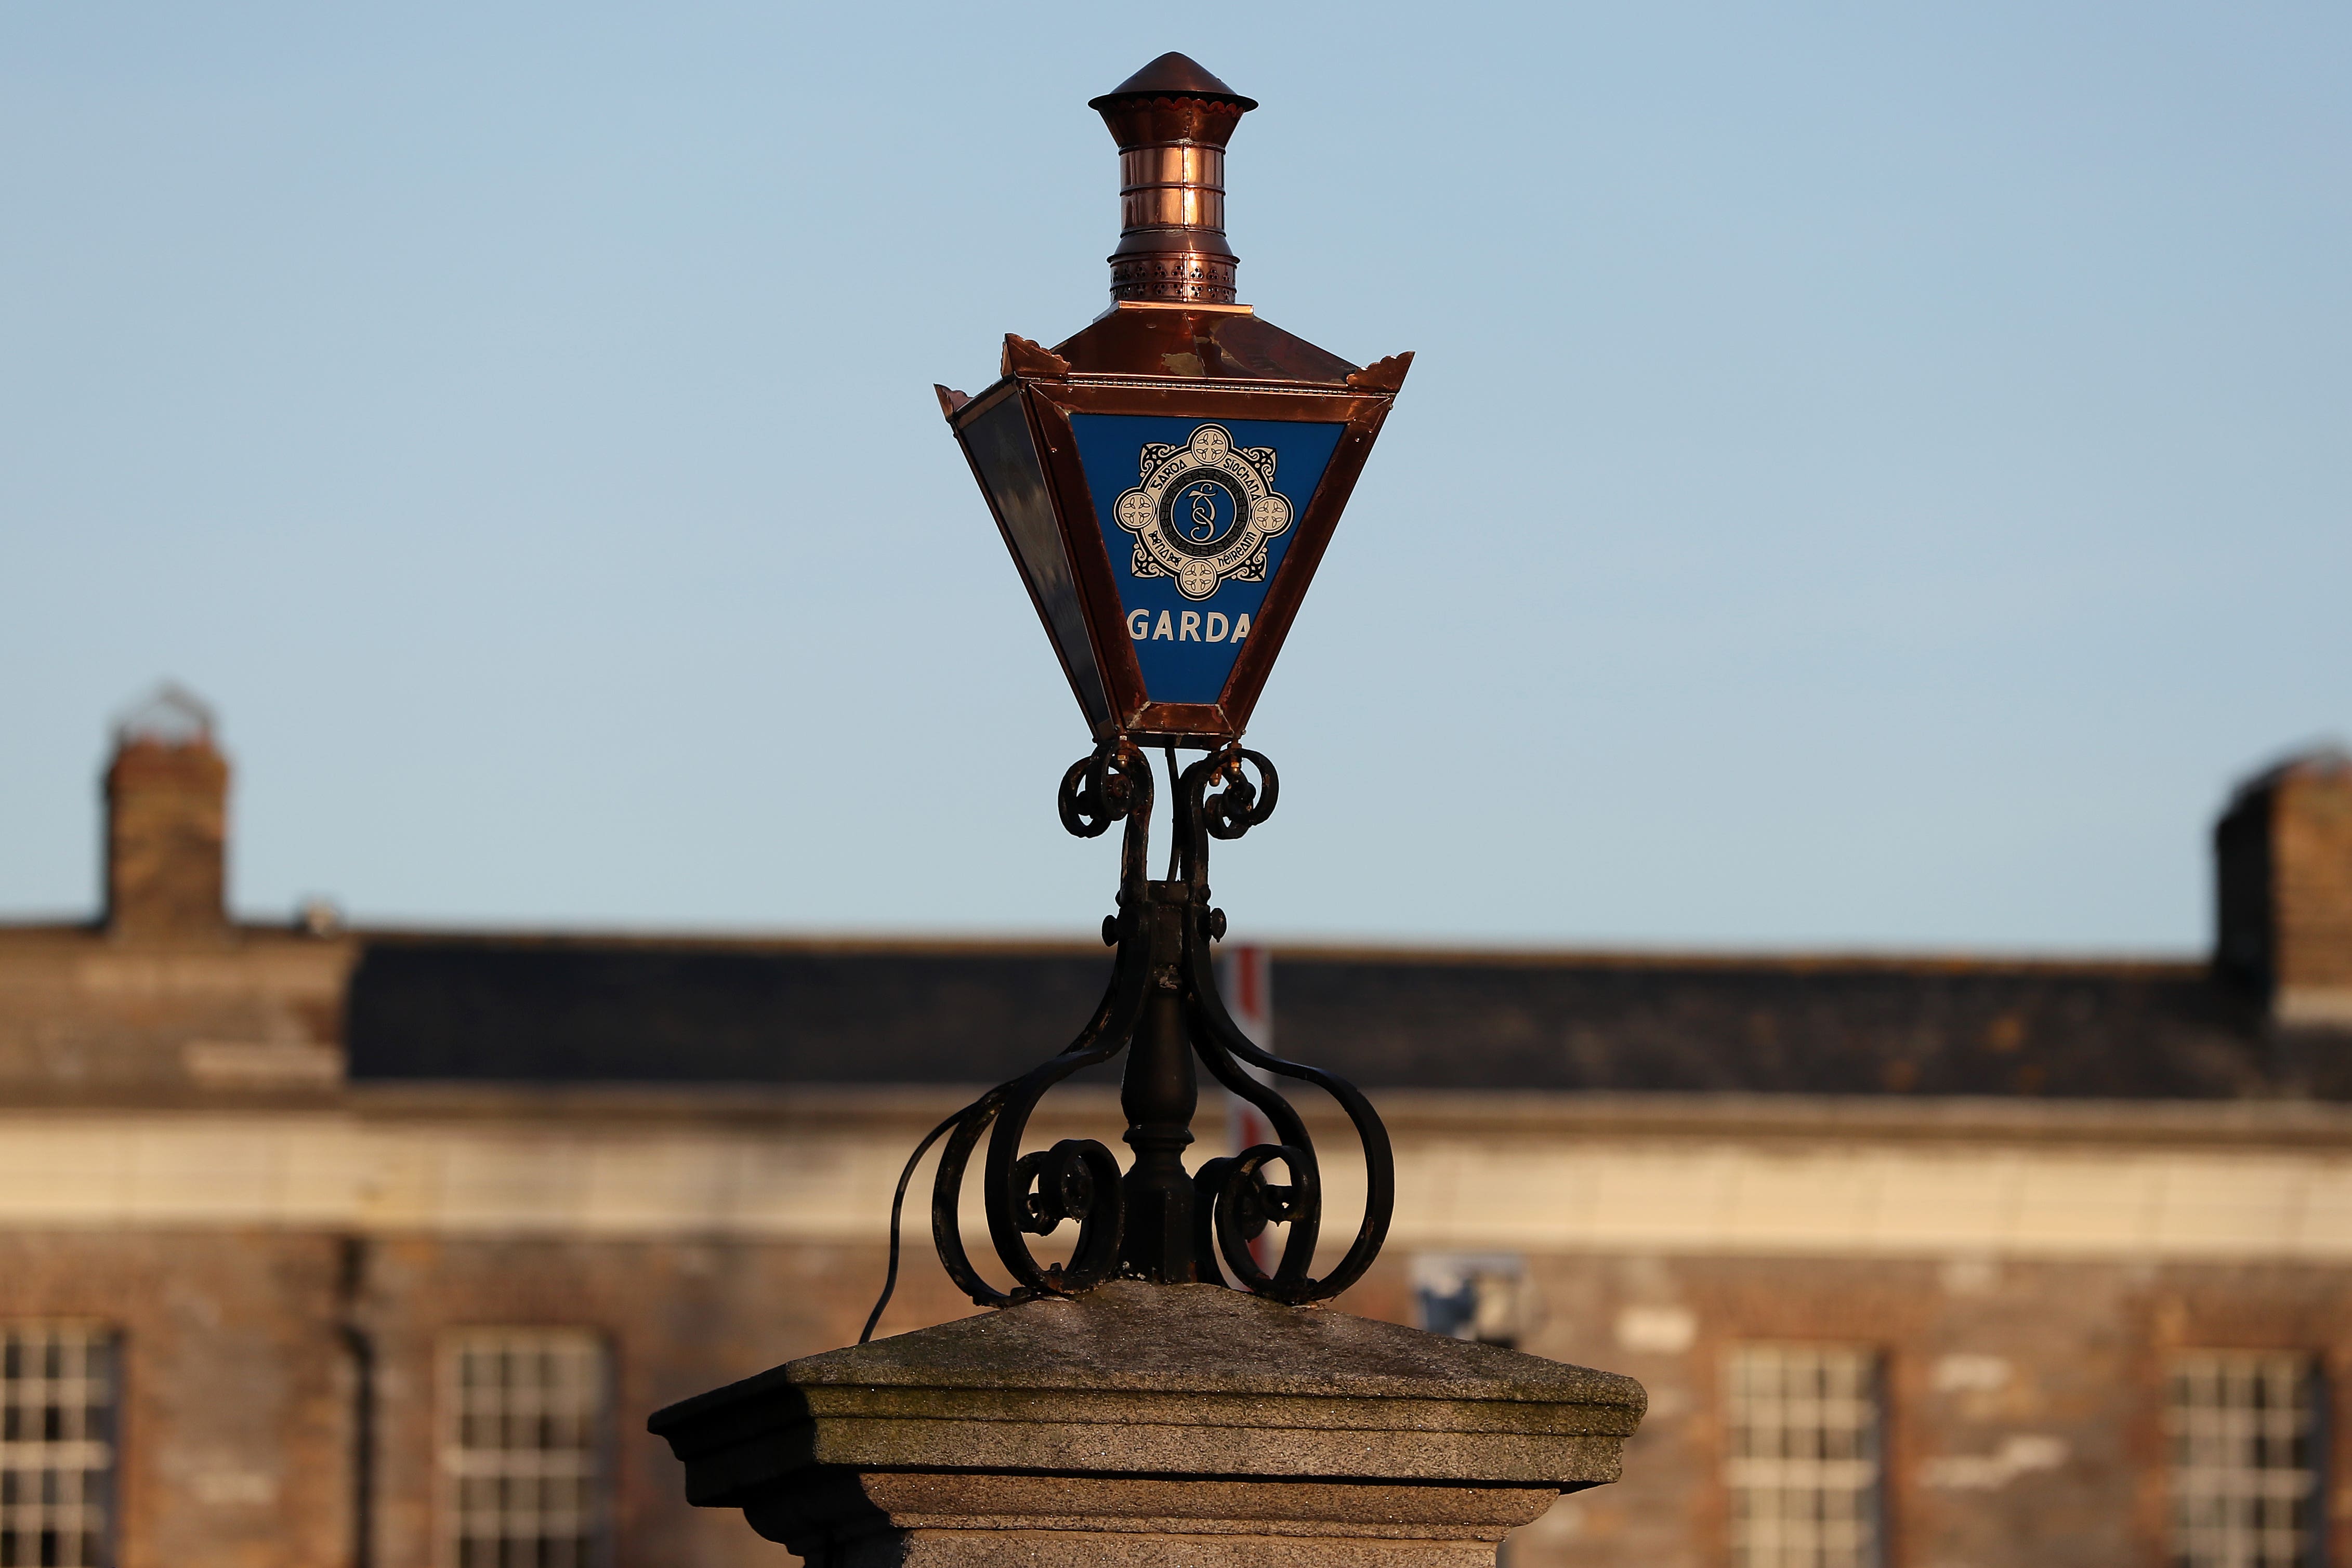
(1006, 457)
(1198, 516)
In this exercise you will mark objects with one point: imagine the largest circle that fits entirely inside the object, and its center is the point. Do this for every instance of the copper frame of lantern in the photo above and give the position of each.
(1083, 451)
(1104, 671)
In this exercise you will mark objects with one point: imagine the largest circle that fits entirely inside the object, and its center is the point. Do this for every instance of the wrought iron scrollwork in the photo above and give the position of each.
(1112, 784)
(1155, 1221)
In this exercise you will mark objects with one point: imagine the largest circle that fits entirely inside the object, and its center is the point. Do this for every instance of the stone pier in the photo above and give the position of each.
(1175, 1426)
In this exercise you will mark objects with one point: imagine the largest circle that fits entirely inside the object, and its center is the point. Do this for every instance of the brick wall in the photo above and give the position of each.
(85, 1016)
(677, 1316)
(235, 1392)
(239, 1387)
(2024, 1400)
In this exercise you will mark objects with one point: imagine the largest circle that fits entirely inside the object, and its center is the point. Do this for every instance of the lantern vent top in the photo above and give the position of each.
(1172, 120)
(1172, 75)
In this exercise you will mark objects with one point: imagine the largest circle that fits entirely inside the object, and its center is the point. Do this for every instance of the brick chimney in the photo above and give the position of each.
(167, 823)
(2283, 857)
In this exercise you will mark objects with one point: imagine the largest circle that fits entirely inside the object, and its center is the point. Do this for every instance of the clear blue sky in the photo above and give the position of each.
(1873, 475)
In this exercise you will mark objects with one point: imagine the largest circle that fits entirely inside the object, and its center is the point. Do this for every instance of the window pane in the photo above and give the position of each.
(1803, 1465)
(1478, 1296)
(56, 1444)
(525, 1413)
(2242, 1429)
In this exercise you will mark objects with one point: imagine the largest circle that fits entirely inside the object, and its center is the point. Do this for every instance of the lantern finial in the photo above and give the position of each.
(1172, 120)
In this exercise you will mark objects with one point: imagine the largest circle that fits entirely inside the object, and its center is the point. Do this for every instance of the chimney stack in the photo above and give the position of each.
(2282, 854)
(167, 823)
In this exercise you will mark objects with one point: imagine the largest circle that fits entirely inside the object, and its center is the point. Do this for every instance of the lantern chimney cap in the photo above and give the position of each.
(1172, 75)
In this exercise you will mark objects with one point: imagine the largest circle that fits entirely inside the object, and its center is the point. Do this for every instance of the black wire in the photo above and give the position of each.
(898, 1202)
(1172, 818)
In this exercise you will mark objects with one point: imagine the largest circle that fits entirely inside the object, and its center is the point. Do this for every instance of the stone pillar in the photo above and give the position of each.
(1175, 1426)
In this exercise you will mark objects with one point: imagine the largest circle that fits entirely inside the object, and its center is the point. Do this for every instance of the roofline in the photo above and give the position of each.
(2180, 967)
(1309, 950)
(2119, 965)
(730, 942)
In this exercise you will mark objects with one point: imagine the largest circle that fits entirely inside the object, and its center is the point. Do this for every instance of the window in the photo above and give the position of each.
(2244, 1432)
(523, 1449)
(1803, 1424)
(1478, 1296)
(56, 1444)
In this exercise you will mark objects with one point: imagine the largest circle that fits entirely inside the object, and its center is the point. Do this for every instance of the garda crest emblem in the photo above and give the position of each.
(1203, 512)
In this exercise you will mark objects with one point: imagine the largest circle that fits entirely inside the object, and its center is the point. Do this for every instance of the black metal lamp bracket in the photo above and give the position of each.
(1156, 1220)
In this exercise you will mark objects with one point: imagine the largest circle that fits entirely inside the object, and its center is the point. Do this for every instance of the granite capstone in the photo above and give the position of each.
(1179, 1425)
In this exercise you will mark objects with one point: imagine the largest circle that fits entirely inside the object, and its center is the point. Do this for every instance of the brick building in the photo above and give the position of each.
(322, 1247)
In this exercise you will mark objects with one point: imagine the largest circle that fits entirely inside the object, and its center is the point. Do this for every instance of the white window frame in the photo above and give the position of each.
(1805, 1456)
(495, 1495)
(2243, 1435)
(60, 1407)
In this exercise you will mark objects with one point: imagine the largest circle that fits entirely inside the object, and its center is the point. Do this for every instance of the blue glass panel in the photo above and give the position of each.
(1198, 514)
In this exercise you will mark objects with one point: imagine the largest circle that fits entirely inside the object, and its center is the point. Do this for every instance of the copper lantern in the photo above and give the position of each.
(1168, 479)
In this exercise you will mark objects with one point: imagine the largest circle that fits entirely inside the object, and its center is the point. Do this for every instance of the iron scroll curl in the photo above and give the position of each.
(1216, 800)
(1164, 933)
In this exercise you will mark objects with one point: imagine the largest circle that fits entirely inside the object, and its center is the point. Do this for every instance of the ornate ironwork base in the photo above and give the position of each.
(1156, 1220)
